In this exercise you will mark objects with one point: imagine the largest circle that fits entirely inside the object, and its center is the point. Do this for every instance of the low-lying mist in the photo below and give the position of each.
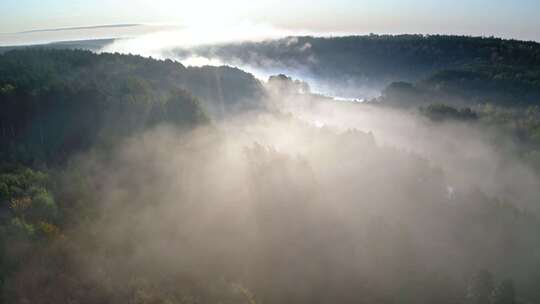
(161, 43)
(199, 45)
(472, 156)
(314, 201)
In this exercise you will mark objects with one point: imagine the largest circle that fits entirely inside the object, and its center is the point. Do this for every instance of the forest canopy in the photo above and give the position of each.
(126, 179)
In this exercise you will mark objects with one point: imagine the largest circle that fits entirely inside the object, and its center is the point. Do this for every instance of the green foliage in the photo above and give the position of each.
(57, 102)
(18, 181)
(26, 200)
(20, 229)
(28, 214)
(43, 207)
(441, 112)
(284, 84)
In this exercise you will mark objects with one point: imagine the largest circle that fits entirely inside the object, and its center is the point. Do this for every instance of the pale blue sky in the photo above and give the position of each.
(516, 19)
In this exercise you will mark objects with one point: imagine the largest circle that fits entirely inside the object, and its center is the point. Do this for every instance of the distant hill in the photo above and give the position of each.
(89, 45)
(378, 60)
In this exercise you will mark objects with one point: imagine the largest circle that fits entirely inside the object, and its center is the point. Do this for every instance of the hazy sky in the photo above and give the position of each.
(516, 19)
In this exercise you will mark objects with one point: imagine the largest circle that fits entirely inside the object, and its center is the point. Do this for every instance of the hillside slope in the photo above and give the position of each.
(55, 102)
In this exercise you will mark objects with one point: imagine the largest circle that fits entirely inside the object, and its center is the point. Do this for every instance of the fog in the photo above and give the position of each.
(472, 156)
(311, 201)
(161, 43)
(184, 44)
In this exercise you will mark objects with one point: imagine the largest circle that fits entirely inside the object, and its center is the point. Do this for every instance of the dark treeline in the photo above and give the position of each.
(454, 64)
(90, 45)
(385, 57)
(55, 103)
(504, 86)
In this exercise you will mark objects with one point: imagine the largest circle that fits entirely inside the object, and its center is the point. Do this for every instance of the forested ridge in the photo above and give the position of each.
(395, 57)
(56, 102)
(460, 66)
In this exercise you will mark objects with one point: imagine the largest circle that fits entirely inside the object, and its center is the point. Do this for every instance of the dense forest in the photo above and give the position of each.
(59, 102)
(463, 63)
(126, 179)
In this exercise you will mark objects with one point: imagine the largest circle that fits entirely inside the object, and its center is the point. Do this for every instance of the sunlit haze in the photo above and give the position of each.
(508, 19)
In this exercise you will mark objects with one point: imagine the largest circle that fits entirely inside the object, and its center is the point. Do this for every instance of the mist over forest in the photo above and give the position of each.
(352, 169)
